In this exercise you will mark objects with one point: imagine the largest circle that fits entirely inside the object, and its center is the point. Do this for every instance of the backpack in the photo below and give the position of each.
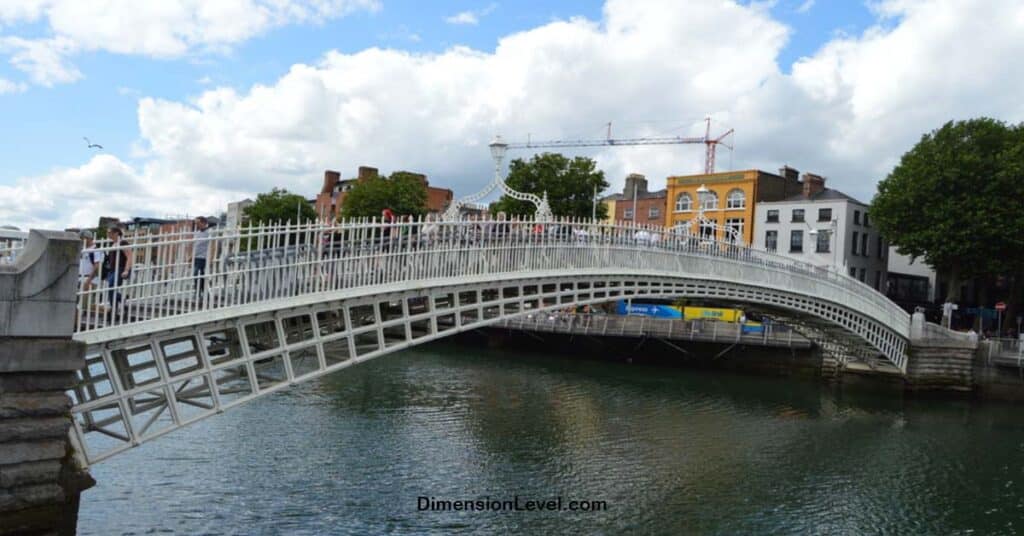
(108, 260)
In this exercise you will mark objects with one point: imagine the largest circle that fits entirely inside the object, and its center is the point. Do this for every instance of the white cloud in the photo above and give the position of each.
(43, 59)
(463, 17)
(805, 7)
(6, 86)
(403, 33)
(848, 111)
(470, 17)
(157, 28)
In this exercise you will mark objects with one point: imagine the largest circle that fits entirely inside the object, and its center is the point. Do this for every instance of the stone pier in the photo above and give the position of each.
(940, 359)
(40, 478)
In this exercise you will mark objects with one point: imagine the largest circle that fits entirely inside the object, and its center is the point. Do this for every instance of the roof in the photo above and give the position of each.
(639, 195)
(828, 194)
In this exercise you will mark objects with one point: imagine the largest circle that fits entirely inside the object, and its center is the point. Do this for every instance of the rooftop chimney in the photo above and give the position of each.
(331, 179)
(813, 184)
(366, 173)
(789, 173)
(637, 182)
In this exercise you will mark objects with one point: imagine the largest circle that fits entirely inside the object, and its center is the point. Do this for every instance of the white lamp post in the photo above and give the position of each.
(498, 149)
(830, 232)
(702, 193)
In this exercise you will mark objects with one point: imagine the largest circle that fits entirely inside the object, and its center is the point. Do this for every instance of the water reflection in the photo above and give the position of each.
(671, 450)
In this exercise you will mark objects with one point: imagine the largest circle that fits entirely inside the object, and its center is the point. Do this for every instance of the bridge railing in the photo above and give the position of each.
(9, 252)
(159, 276)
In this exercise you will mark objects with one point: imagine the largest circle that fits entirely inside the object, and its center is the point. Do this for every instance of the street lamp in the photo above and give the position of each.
(830, 232)
(498, 149)
(702, 193)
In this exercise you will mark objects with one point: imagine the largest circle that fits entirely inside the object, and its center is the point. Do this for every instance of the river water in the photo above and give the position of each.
(667, 451)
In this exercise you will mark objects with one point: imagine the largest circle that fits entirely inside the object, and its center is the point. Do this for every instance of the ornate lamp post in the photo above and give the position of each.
(700, 221)
(830, 232)
(498, 149)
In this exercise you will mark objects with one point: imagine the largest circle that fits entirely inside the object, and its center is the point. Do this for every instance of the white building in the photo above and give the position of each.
(823, 227)
(236, 213)
(910, 279)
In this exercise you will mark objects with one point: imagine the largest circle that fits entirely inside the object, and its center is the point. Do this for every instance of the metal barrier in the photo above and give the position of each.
(156, 275)
(667, 328)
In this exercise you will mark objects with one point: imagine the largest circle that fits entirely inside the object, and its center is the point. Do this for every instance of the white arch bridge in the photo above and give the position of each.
(277, 305)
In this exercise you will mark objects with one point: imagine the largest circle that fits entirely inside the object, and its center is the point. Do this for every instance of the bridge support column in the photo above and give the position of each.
(40, 479)
(939, 359)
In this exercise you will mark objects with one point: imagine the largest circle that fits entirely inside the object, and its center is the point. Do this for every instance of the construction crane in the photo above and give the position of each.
(499, 147)
(710, 143)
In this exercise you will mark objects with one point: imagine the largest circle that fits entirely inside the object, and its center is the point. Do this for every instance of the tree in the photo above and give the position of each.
(570, 184)
(955, 200)
(403, 192)
(279, 205)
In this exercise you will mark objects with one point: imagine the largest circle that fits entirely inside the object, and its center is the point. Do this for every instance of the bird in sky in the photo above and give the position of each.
(91, 145)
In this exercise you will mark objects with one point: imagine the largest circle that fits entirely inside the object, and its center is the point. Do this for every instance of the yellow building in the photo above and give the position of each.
(730, 200)
(609, 204)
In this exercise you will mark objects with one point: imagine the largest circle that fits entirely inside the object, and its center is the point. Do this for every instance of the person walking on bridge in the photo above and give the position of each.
(200, 252)
(117, 268)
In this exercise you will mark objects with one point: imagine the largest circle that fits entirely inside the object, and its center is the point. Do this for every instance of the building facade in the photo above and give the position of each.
(609, 208)
(332, 194)
(636, 203)
(826, 228)
(911, 280)
(731, 199)
(235, 216)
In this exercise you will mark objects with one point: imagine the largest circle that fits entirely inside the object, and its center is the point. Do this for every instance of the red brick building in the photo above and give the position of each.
(647, 208)
(332, 193)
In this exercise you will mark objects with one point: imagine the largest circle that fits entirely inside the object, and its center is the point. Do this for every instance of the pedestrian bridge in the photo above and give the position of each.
(281, 304)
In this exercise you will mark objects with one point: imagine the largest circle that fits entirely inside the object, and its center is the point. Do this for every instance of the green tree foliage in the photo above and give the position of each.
(402, 192)
(956, 199)
(569, 184)
(279, 205)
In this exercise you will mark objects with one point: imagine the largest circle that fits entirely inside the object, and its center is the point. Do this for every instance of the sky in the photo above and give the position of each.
(199, 103)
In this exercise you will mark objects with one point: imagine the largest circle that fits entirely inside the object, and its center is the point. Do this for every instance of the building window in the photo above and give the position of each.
(855, 242)
(736, 199)
(773, 216)
(627, 214)
(881, 252)
(824, 214)
(771, 240)
(710, 201)
(821, 245)
(863, 274)
(684, 203)
(878, 280)
(735, 227)
(796, 241)
(653, 213)
(853, 273)
(864, 245)
(866, 222)
(856, 217)
(798, 214)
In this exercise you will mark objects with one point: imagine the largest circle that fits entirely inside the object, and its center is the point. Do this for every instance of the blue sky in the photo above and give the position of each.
(45, 126)
(180, 97)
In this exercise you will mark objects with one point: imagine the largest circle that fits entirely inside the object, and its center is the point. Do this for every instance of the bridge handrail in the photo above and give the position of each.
(9, 252)
(250, 264)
